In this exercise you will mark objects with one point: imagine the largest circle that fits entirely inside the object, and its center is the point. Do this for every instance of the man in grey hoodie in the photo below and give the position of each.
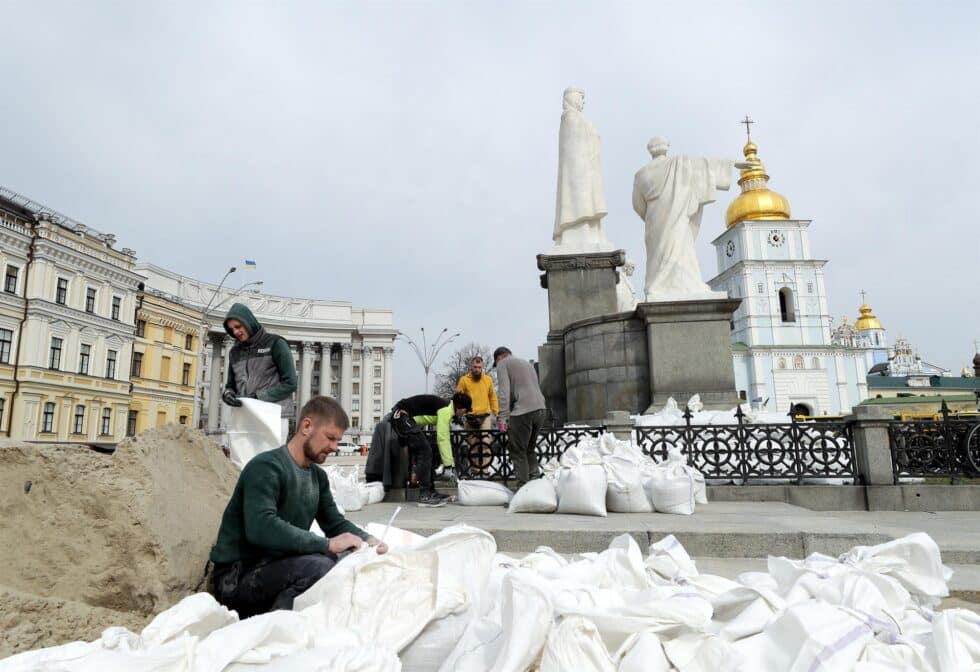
(522, 411)
(260, 364)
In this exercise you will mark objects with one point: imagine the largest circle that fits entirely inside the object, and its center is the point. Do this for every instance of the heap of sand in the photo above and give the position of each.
(91, 540)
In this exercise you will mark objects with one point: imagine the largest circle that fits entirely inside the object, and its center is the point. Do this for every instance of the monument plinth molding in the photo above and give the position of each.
(689, 352)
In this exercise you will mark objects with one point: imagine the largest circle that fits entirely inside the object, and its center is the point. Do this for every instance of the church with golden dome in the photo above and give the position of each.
(785, 354)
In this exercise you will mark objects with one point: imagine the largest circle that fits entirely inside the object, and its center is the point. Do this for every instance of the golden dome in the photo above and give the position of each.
(756, 201)
(867, 320)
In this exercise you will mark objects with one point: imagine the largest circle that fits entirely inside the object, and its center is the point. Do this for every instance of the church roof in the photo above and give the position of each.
(757, 200)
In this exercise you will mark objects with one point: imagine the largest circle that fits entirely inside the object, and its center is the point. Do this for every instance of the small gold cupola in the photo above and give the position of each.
(756, 201)
(867, 319)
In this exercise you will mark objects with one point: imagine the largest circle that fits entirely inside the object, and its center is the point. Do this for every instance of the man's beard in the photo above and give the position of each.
(476, 376)
(309, 454)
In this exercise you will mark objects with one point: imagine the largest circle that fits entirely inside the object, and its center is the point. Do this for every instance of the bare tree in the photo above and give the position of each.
(458, 364)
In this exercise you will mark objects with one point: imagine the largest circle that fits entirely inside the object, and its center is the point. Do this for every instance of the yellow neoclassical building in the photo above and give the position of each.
(165, 361)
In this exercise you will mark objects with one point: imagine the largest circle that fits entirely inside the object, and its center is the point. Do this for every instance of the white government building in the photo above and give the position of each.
(784, 352)
(358, 343)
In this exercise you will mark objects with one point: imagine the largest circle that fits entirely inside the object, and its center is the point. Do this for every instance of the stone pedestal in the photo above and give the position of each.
(689, 349)
(579, 286)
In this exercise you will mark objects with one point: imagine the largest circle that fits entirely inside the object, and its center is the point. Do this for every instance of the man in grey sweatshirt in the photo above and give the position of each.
(522, 411)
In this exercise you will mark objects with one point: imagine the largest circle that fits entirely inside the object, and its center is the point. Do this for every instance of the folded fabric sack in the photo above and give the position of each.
(483, 493)
(537, 496)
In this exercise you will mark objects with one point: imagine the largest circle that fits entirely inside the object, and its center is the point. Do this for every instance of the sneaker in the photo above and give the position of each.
(431, 500)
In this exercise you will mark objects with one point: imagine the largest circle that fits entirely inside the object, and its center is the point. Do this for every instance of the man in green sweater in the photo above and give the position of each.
(260, 364)
(266, 555)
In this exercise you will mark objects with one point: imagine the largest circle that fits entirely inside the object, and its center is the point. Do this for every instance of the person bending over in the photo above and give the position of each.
(265, 555)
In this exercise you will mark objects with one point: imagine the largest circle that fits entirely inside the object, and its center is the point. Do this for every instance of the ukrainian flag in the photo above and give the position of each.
(249, 263)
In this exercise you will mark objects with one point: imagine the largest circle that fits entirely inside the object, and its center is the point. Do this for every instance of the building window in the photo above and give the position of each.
(356, 373)
(116, 303)
(809, 288)
(137, 365)
(877, 339)
(355, 422)
(141, 328)
(106, 428)
(61, 293)
(54, 360)
(79, 427)
(165, 369)
(182, 420)
(334, 390)
(377, 372)
(356, 388)
(742, 395)
(377, 419)
(786, 311)
(188, 342)
(47, 420)
(357, 355)
(10, 282)
(185, 376)
(377, 388)
(798, 362)
(355, 405)
(377, 405)
(110, 364)
(376, 354)
(6, 340)
(2, 404)
(761, 289)
(131, 423)
(85, 353)
(815, 363)
(90, 300)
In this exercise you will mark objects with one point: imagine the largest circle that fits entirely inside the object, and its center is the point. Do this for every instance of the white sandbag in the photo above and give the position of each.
(371, 493)
(344, 487)
(671, 485)
(574, 644)
(702, 652)
(197, 615)
(700, 488)
(435, 643)
(956, 637)
(810, 635)
(259, 639)
(253, 428)
(537, 496)
(913, 560)
(624, 491)
(642, 652)
(669, 560)
(582, 490)
(483, 493)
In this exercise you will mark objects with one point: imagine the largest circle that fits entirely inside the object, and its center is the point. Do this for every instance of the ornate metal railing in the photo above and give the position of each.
(947, 447)
(793, 450)
(482, 454)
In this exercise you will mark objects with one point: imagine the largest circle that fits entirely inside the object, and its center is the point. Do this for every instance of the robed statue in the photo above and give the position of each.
(581, 200)
(669, 194)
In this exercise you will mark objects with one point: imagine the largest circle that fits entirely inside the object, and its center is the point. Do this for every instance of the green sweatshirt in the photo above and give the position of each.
(270, 512)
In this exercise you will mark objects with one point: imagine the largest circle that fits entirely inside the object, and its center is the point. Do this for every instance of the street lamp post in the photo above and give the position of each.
(427, 352)
(202, 332)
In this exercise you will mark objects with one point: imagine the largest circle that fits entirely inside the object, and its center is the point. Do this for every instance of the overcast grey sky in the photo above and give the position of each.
(404, 155)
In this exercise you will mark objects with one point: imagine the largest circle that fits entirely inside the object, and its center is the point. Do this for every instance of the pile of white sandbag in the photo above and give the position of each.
(349, 492)
(451, 603)
(672, 415)
(599, 475)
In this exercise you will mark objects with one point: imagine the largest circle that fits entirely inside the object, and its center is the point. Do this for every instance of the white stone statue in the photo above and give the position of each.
(625, 294)
(581, 200)
(670, 194)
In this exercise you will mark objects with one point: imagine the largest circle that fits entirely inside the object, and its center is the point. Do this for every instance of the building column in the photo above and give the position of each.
(214, 394)
(228, 343)
(306, 377)
(367, 390)
(386, 388)
(326, 370)
(346, 386)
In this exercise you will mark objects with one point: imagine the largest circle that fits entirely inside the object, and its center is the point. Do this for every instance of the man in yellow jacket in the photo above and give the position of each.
(479, 387)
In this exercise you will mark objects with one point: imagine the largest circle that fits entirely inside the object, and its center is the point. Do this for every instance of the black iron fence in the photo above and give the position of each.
(793, 451)
(944, 447)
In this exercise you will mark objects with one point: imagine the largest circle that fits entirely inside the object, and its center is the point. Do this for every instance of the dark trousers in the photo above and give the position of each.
(269, 584)
(522, 435)
(418, 446)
